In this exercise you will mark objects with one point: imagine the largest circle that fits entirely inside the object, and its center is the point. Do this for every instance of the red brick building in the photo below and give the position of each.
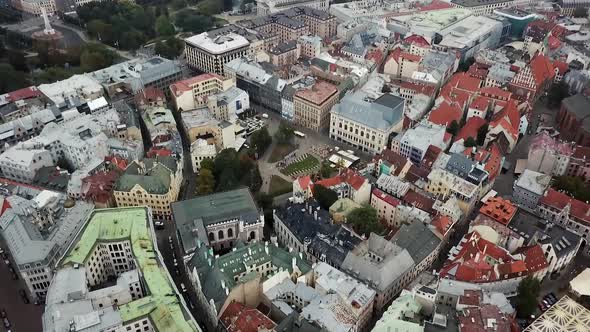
(573, 119)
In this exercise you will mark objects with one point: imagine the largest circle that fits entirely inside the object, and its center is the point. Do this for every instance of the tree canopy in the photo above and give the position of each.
(453, 128)
(469, 142)
(205, 182)
(164, 27)
(573, 185)
(528, 292)
(325, 196)
(11, 79)
(557, 93)
(190, 20)
(261, 140)
(364, 221)
(284, 134)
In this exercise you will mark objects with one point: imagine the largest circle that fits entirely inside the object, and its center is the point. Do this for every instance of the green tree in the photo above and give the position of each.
(95, 56)
(131, 40)
(190, 20)
(573, 186)
(453, 128)
(261, 140)
(255, 179)
(325, 169)
(16, 59)
(264, 200)
(526, 301)
(11, 79)
(208, 163)
(325, 196)
(469, 142)
(285, 133)
(364, 221)
(100, 30)
(164, 27)
(178, 4)
(481, 134)
(205, 182)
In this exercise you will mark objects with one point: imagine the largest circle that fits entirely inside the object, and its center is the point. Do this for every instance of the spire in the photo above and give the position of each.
(48, 29)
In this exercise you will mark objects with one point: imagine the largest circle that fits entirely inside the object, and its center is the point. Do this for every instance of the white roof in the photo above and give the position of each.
(581, 283)
(533, 181)
(97, 103)
(219, 44)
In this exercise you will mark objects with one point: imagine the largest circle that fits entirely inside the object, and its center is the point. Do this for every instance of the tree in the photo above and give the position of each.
(469, 142)
(386, 89)
(264, 200)
(205, 182)
(11, 79)
(255, 179)
(481, 134)
(557, 93)
(325, 169)
(16, 59)
(325, 196)
(95, 56)
(528, 292)
(190, 20)
(573, 186)
(285, 133)
(364, 221)
(171, 48)
(208, 163)
(453, 128)
(580, 12)
(261, 140)
(164, 27)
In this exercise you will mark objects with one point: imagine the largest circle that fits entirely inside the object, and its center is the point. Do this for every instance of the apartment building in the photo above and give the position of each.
(529, 188)
(267, 7)
(445, 184)
(366, 125)
(386, 206)
(38, 227)
(193, 92)
(310, 46)
(484, 7)
(224, 219)
(208, 52)
(414, 143)
(116, 244)
(153, 182)
(34, 7)
(312, 106)
(284, 54)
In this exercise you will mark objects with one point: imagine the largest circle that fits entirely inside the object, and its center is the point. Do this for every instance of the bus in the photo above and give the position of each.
(299, 134)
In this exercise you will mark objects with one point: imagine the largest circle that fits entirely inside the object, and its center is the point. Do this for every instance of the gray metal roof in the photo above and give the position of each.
(382, 114)
(417, 239)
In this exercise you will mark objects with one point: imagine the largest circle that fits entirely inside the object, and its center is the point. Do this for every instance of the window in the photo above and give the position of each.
(230, 232)
(220, 235)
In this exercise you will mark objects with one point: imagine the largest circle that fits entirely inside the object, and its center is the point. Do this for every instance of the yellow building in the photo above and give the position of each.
(152, 182)
(445, 184)
(312, 106)
(193, 92)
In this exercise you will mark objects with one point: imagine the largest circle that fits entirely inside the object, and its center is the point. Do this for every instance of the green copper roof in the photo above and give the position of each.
(152, 174)
(162, 304)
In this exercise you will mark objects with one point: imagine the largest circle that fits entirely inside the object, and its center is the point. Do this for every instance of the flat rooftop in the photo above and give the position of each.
(318, 93)
(218, 44)
(134, 224)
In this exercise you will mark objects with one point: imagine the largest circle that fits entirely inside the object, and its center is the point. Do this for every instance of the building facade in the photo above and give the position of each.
(312, 106)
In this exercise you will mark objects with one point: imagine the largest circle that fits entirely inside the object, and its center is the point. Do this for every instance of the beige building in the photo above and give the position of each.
(200, 124)
(310, 46)
(285, 53)
(152, 182)
(33, 7)
(386, 206)
(445, 184)
(312, 106)
(192, 93)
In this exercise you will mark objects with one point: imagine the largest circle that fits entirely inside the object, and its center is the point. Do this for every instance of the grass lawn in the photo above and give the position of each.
(280, 151)
(306, 164)
(279, 186)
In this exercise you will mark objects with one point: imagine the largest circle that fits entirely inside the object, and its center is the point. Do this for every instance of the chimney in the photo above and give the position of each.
(209, 261)
(294, 262)
(315, 215)
(223, 284)
(309, 209)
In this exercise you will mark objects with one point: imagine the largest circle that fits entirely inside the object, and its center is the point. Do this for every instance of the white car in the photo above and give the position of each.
(183, 288)
(175, 262)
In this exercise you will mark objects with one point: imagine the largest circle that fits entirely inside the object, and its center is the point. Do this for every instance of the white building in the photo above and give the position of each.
(266, 7)
(485, 7)
(21, 162)
(209, 53)
(366, 125)
(201, 149)
(38, 231)
(79, 86)
(415, 141)
(472, 34)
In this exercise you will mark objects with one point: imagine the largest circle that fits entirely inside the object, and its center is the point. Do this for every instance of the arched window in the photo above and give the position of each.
(230, 232)
(211, 236)
(252, 235)
(220, 235)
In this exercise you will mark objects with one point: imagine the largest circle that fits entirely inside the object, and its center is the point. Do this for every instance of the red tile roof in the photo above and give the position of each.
(477, 72)
(426, 89)
(445, 113)
(239, 318)
(24, 93)
(442, 224)
(499, 209)
(534, 257)
(485, 318)
(433, 5)
(119, 162)
(430, 156)
(186, 85)
(385, 197)
(553, 43)
(494, 161)
(495, 92)
(149, 95)
(376, 55)
(541, 68)
(561, 66)
(480, 103)
(468, 83)
(5, 206)
(318, 93)
(162, 152)
(470, 128)
(558, 200)
(99, 187)
(393, 158)
(348, 176)
(416, 40)
(420, 201)
(304, 182)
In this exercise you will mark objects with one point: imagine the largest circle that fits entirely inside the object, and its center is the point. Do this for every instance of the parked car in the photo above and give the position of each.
(6, 323)
(159, 224)
(3, 314)
(170, 239)
(183, 287)
(24, 296)
(175, 262)
(553, 297)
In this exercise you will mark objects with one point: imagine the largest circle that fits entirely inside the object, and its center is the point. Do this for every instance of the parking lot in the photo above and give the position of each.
(23, 317)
